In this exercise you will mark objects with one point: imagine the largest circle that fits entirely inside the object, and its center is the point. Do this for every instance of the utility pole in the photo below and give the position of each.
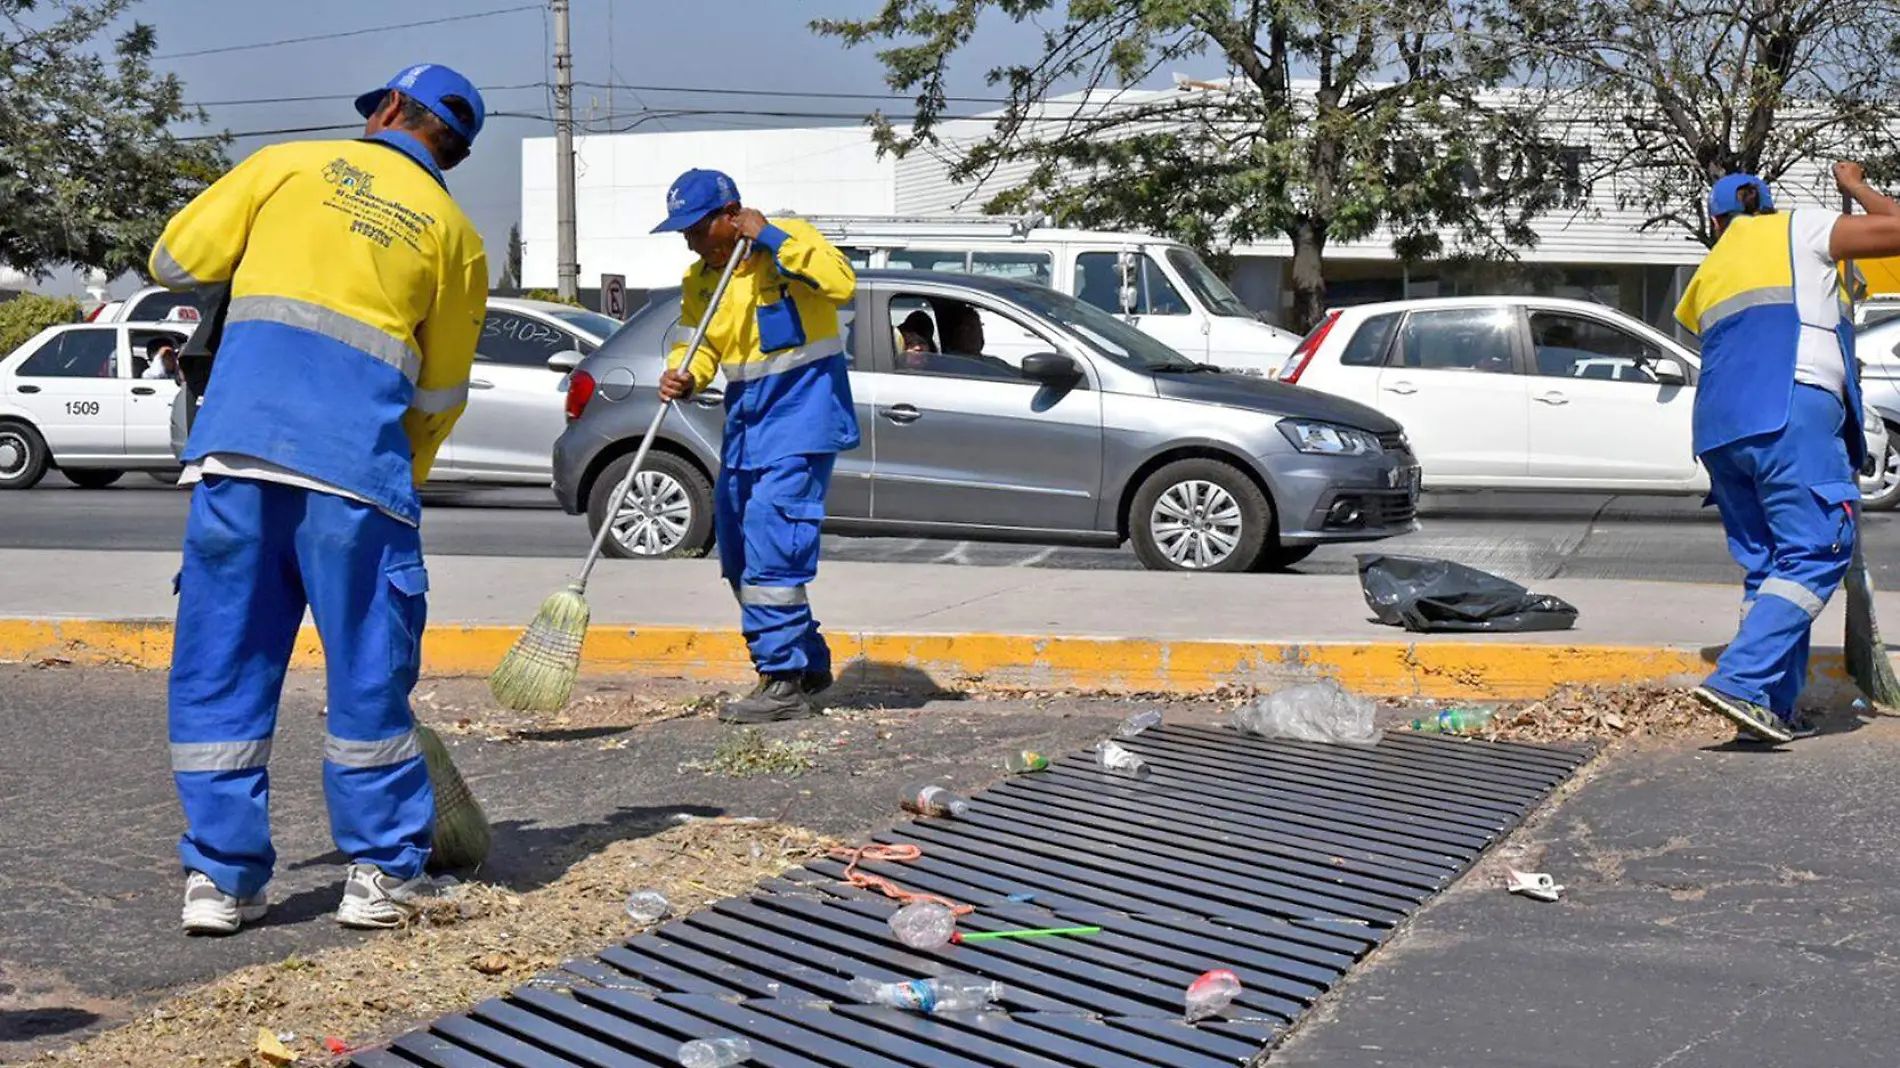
(568, 267)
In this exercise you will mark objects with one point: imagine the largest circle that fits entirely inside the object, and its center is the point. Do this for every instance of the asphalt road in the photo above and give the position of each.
(1522, 536)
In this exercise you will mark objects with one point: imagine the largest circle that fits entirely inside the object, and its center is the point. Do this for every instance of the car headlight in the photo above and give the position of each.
(1329, 439)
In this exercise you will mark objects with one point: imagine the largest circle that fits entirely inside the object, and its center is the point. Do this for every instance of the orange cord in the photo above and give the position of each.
(890, 854)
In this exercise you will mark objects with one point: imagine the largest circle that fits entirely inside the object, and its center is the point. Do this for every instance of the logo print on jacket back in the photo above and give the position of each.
(343, 173)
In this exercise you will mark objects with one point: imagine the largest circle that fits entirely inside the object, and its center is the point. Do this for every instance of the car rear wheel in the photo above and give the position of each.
(667, 512)
(1884, 495)
(1199, 515)
(91, 477)
(23, 458)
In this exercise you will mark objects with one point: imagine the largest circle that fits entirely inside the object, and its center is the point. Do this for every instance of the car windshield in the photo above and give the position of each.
(600, 326)
(1214, 294)
(1104, 332)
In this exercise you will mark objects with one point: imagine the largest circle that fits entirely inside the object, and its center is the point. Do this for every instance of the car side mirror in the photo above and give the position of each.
(1670, 373)
(1051, 368)
(564, 362)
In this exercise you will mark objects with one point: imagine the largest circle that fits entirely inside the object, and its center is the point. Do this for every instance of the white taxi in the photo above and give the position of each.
(88, 400)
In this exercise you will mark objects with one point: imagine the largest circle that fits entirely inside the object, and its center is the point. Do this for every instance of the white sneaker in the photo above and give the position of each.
(211, 911)
(373, 900)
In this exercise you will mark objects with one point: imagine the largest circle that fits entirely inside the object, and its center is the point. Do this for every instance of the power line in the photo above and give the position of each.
(335, 127)
(348, 33)
(333, 96)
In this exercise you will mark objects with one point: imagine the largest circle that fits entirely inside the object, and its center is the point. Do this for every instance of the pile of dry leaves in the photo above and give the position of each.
(1592, 713)
(479, 941)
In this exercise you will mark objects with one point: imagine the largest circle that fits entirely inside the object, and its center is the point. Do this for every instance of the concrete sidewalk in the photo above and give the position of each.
(1020, 626)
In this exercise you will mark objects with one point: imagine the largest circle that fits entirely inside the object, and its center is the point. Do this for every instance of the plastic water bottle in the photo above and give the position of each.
(929, 995)
(1114, 759)
(1138, 722)
(934, 801)
(648, 906)
(1023, 761)
(1212, 992)
(1455, 721)
(715, 1052)
(924, 925)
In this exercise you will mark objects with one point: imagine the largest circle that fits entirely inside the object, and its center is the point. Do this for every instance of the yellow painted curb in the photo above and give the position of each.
(1475, 669)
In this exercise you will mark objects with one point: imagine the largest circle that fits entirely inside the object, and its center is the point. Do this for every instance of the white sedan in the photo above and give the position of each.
(1522, 393)
(78, 398)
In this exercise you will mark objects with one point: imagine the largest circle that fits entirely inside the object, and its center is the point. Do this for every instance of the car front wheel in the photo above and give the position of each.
(1199, 515)
(667, 511)
(23, 458)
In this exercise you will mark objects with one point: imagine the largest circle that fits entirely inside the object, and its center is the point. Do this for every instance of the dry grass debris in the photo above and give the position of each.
(476, 942)
(745, 753)
(1592, 713)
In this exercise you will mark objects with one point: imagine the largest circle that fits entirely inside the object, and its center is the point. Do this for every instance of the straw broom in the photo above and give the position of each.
(462, 835)
(538, 673)
(1867, 661)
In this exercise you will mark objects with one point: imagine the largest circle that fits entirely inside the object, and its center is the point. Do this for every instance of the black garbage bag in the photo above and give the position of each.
(1423, 594)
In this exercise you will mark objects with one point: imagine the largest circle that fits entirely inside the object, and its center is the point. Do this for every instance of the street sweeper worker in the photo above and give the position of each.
(778, 337)
(1777, 424)
(357, 289)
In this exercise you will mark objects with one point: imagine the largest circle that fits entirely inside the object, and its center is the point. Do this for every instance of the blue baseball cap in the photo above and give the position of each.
(428, 84)
(695, 195)
(1725, 198)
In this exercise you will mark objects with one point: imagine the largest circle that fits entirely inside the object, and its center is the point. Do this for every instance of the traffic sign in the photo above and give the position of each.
(613, 296)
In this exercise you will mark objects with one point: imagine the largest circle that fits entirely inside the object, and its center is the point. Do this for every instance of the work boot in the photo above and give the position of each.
(211, 911)
(1753, 719)
(779, 696)
(373, 899)
(815, 681)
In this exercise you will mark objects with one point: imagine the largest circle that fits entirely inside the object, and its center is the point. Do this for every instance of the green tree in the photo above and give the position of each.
(90, 169)
(1340, 119)
(511, 267)
(1686, 91)
(28, 314)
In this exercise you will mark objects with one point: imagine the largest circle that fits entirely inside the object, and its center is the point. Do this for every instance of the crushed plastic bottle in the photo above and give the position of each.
(1212, 992)
(1138, 722)
(933, 801)
(1022, 761)
(929, 995)
(723, 1052)
(648, 906)
(1455, 721)
(1312, 712)
(1114, 759)
(924, 925)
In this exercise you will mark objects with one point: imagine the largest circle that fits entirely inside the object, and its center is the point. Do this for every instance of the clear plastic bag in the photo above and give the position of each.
(1313, 712)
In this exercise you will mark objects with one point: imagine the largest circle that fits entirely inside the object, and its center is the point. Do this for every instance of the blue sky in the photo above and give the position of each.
(749, 44)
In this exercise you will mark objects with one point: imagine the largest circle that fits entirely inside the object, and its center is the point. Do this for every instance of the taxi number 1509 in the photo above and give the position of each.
(82, 407)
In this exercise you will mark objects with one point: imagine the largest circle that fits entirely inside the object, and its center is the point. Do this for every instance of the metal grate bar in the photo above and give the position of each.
(1286, 861)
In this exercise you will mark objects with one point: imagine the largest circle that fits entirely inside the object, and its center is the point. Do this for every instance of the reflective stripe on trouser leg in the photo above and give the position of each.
(367, 588)
(239, 605)
(779, 524)
(1788, 485)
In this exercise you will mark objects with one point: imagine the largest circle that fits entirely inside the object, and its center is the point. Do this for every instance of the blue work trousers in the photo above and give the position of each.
(256, 553)
(766, 521)
(1787, 500)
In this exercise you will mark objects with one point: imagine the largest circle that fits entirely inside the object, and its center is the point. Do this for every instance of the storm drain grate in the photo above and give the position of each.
(1284, 861)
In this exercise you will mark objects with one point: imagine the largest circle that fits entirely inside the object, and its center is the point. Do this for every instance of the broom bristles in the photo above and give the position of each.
(538, 673)
(1867, 660)
(462, 836)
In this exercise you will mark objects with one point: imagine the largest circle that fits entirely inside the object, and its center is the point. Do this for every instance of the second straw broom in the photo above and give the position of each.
(538, 673)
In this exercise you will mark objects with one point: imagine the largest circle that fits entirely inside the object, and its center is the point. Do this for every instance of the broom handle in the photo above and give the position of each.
(743, 250)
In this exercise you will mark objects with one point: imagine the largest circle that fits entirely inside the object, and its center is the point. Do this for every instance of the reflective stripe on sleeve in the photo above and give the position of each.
(437, 401)
(168, 272)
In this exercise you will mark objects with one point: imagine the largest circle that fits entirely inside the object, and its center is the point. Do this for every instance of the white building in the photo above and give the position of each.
(1595, 250)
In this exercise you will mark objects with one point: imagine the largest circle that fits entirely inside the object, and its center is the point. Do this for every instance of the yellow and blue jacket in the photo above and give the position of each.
(358, 289)
(1742, 304)
(778, 336)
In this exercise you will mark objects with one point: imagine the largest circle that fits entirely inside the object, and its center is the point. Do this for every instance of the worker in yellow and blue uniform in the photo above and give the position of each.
(357, 292)
(1777, 423)
(778, 337)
